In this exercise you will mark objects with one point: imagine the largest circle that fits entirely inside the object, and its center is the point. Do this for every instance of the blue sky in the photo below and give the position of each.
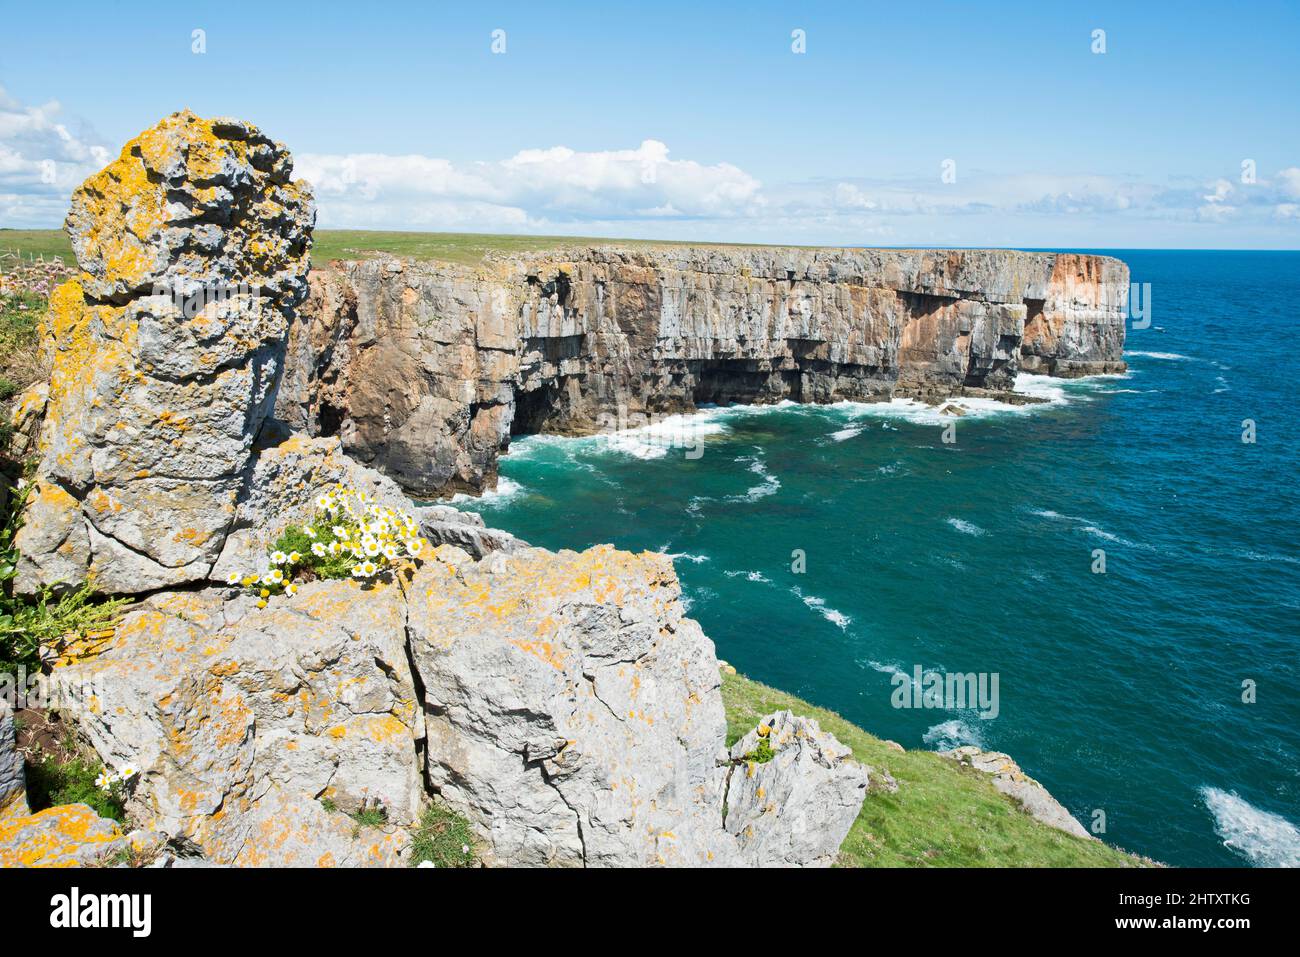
(699, 121)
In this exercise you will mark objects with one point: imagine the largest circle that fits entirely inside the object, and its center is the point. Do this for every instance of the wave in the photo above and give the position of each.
(768, 486)
(749, 576)
(682, 556)
(506, 490)
(953, 733)
(965, 527)
(1263, 838)
(1090, 528)
(819, 605)
(844, 434)
(1171, 356)
(1268, 557)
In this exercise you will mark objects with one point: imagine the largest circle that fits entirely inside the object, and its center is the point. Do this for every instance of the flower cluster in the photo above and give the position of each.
(107, 781)
(350, 536)
(32, 277)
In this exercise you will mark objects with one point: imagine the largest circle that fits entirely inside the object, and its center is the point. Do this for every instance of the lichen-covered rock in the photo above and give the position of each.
(13, 786)
(1007, 777)
(165, 355)
(574, 715)
(236, 717)
(794, 805)
(71, 835)
(444, 525)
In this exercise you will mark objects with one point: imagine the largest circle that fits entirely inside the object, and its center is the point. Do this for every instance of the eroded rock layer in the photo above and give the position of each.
(426, 369)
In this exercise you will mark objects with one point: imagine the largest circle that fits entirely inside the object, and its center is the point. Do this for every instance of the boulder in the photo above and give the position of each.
(573, 714)
(13, 787)
(240, 720)
(792, 793)
(444, 525)
(1007, 778)
(71, 835)
(165, 354)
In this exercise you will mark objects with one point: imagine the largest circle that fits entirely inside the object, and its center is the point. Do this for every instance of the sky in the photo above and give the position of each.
(1063, 124)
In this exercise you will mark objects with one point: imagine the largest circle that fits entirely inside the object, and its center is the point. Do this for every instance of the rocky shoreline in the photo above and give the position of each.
(561, 702)
(426, 370)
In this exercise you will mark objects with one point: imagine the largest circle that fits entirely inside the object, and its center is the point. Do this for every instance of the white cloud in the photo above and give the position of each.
(41, 162)
(540, 186)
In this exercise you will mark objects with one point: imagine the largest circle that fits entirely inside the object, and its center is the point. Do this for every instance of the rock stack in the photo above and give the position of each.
(166, 353)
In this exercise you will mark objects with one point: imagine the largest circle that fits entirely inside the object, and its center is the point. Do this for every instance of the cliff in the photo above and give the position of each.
(426, 370)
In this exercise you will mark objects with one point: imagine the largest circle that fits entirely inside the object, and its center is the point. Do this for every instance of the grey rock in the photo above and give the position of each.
(239, 719)
(573, 714)
(13, 783)
(166, 353)
(1008, 778)
(796, 808)
(70, 835)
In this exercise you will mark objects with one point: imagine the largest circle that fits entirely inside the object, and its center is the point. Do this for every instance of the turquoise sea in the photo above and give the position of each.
(1121, 692)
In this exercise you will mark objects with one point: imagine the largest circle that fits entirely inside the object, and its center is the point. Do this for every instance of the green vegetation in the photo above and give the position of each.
(941, 816)
(26, 623)
(443, 838)
(66, 774)
(761, 754)
(329, 244)
(37, 243)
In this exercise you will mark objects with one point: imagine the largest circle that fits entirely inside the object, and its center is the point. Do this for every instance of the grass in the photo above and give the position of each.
(941, 816)
(28, 243)
(441, 838)
(464, 248)
(20, 362)
(63, 772)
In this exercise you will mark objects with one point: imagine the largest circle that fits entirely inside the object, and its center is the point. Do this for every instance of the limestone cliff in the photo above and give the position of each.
(425, 370)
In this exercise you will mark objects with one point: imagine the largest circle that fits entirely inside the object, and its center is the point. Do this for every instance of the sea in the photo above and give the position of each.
(1124, 558)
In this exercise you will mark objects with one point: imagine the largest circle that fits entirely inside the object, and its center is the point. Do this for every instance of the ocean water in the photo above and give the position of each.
(1121, 692)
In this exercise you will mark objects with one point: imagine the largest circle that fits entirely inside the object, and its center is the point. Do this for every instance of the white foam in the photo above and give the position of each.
(1171, 356)
(965, 527)
(1088, 527)
(683, 556)
(1269, 557)
(950, 734)
(1264, 838)
(768, 486)
(838, 618)
(506, 490)
(749, 576)
(844, 434)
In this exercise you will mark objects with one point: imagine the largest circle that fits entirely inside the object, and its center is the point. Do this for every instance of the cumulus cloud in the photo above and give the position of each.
(41, 162)
(535, 186)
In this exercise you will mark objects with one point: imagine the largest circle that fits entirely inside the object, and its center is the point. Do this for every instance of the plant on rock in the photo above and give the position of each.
(351, 536)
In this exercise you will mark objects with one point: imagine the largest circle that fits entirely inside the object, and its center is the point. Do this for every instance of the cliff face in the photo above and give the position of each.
(426, 369)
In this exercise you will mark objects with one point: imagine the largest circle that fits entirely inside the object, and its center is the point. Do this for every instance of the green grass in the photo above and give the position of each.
(53, 782)
(464, 248)
(941, 816)
(441, 837)
(34, 243)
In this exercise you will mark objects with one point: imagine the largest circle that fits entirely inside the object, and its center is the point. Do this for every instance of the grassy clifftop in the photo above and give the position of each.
(465, 248)
(941, 816)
